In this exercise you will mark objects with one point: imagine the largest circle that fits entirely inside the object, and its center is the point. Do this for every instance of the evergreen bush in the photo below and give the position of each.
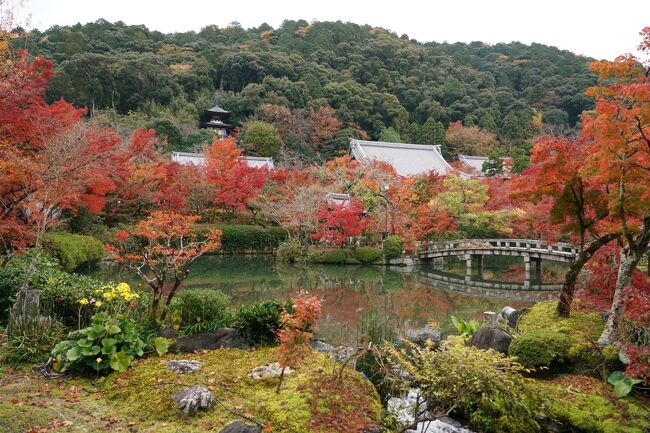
(368, 255)
(201, 310)
(73, 250)
(259, 323)
(393, 247)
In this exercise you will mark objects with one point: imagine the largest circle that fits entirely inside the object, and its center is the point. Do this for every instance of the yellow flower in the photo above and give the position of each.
(83, 301)
(98, 360)
(98, 304)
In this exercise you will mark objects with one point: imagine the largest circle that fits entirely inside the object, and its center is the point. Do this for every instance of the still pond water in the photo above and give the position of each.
(387, 302)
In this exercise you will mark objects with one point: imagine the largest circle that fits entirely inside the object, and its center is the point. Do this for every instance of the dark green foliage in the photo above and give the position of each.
(290, 251)
(32, 340)
(540, 348)
(393, 247)
(73, 250)
(59, 290)
(368, 255)
(335, 257)
(371, 77)
(264, 137)
(246, 238)
(201, 310)
(109, 343)
(259, 323)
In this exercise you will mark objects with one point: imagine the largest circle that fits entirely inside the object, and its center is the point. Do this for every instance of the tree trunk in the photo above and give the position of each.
(630, 257)
(569, 285)
(155, 305)
(625, 268)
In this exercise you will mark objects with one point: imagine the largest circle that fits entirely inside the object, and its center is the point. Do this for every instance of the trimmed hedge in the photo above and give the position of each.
(368, 255)
(334, 257)
(393, 247)
(247, 238)
(72, 250)
(259, 323)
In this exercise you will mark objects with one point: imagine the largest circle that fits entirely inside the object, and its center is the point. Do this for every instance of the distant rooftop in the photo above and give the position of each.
(407, 159)
(199, 159)
(475, 163)
(217, 110)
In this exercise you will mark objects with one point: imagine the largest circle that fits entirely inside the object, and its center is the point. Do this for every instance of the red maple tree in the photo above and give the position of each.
(161, 249)
(340, 221)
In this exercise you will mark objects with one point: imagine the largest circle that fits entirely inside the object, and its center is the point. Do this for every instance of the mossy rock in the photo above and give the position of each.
(144, 392)
(551, 341)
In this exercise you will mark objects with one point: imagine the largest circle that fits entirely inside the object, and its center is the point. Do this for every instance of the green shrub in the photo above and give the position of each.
(73, 250)
(540, 348)
(259, 323)
(58, 289)
(487, 386)
(11, 277)
(201, 310)
(368, 255)
(247, 238)
(336, 257)
(465, 328)
(32, 340)
(290, 251)
(393, 247)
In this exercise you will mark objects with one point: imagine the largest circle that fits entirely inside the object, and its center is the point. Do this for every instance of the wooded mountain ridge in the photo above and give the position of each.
(380, 85)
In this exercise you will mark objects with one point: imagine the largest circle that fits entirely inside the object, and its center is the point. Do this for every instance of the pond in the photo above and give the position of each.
(385, 302)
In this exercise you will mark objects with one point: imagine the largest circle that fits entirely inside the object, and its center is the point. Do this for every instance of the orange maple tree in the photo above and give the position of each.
(161, 249)
(298, 327)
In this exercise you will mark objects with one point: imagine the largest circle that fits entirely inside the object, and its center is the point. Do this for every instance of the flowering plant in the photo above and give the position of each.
(111, 342)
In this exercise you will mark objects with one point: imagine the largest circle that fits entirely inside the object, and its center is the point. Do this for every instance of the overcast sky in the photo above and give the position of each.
(599, 28)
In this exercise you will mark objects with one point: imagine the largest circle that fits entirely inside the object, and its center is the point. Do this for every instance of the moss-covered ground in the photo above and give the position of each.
(312, 399)
(589, 405)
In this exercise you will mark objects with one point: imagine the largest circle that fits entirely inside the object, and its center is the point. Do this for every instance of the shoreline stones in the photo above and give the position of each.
(266, 371)
(491, 337)
(184, 366)
(191, 400)
(403, 409)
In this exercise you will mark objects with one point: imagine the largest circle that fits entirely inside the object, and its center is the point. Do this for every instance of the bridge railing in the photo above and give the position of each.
(467, 244)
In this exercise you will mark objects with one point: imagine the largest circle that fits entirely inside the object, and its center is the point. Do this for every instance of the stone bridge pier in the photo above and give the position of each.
(477, 259)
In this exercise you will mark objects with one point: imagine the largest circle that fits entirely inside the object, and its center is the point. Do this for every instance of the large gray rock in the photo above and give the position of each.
(271, 370)
(338, 354)
(224, 338)
(491, 337)
(240, 427)
(422, 335)
(191, 400)
(183, 366)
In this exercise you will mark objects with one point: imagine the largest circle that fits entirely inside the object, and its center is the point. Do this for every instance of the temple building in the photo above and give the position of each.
(199, 159)
(215, 118)
(473, 164)
(406, 159)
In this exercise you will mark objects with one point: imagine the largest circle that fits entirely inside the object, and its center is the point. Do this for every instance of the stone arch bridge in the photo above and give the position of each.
(473, 250)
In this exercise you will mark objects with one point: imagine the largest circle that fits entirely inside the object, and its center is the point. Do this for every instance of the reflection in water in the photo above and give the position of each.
(378, 301)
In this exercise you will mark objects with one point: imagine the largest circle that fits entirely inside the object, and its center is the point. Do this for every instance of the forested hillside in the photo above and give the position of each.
(317, 83)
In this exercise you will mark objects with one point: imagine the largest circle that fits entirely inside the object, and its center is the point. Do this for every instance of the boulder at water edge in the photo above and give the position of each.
(491, 337)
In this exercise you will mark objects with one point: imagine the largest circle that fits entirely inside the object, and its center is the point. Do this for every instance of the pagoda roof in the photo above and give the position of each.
(218, 124)
(217, 110)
